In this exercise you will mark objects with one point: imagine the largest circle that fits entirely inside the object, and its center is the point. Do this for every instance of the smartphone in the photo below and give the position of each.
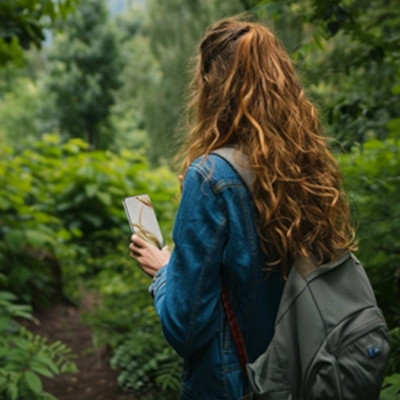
(142, 219)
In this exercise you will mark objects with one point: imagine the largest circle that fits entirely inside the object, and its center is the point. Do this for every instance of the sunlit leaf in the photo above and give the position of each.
(33, 382)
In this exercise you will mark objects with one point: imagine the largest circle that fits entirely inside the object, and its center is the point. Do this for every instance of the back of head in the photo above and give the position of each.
(244, 78)
(246, 93)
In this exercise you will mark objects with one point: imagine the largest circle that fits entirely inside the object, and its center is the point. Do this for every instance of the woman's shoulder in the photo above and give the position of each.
(214, 169)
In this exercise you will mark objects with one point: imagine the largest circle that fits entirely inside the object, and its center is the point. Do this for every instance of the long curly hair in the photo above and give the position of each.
(246, 93)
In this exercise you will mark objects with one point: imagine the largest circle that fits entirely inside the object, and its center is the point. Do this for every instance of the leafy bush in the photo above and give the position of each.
(63, 227)
(62, 213)
(373, 176)
(24, 356)
(147, 364)
(31, 234)
(394, 362)
(127, 322)
(391, 388)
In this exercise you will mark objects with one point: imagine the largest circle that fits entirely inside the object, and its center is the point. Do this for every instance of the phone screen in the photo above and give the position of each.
(143, 220)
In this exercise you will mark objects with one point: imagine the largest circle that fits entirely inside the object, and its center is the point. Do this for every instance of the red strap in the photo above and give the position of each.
(235, 329)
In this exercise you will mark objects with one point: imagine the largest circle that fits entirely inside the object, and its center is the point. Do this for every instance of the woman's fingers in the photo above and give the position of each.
(137, 246)
(138, 241)
(134, 253)
(149, 257)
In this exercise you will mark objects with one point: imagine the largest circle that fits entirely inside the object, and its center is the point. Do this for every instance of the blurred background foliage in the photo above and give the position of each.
(91, 94)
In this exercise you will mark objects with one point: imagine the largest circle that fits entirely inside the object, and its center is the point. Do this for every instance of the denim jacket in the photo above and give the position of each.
(215, 240)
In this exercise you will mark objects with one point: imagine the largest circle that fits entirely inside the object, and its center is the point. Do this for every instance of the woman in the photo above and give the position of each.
(245, 94)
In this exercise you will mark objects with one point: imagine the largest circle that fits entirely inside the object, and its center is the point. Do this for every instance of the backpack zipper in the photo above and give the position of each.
(370, 326)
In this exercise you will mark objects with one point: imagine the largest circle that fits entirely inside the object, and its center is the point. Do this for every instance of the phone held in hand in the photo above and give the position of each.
(142, 219)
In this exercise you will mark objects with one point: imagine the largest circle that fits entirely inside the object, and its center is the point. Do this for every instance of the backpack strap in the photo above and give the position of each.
(235, 329)
(305, 265)
(238, 162)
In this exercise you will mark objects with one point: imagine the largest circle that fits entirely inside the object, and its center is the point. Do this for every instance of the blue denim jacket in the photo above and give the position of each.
(215, 240)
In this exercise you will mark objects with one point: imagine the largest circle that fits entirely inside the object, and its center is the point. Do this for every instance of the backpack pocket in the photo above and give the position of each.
(353, 367)
(362, 364)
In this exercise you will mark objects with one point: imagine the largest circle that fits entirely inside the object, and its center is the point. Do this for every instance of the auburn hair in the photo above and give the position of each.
(246, 93)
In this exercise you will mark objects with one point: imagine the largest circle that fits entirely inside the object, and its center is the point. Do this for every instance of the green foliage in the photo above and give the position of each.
(372, 177)
(23, 23)
(127, 322)
(391, 384)
(391, 388)
(84, 71)
(61, 212)
(394, 362)
(9, 310)
(147, 363)
(140, 75)
(24, 356)
(31, 235)
(347, 54)
(63, 224)
(19, 109)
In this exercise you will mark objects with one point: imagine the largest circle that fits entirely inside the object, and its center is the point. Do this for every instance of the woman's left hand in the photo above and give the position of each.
(150, 258)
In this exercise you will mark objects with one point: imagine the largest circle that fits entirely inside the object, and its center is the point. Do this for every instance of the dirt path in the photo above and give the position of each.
(95, 379)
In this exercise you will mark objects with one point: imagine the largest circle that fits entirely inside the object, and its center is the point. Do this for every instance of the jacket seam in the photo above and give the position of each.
(205, 268)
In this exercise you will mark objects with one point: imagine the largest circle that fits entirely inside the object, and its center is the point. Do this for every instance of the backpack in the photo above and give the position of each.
(331, 341)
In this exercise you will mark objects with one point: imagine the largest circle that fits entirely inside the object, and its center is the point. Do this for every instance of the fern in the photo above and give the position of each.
(25, 356)
(394, 360)
(391, 388)
(168, 374)
(148, 364)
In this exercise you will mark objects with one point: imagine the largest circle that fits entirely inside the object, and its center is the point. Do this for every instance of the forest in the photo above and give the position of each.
(91, 98)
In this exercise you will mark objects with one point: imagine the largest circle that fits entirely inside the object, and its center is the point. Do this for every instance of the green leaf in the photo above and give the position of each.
(390, 393)
(105, 198)
(38, 239)
(41, 369)
(93, 219)
(3, 279)
(33, 382)
(8, 296)
(4, 204)
(394, 127)
(47, 362)
(3, 382)
(14, 238)
(91, 189)
(21, 343)
(12, 391)
(4, 322)
(396, 89)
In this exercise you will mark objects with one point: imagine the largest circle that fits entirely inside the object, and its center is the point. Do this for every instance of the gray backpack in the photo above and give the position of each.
(331, 341)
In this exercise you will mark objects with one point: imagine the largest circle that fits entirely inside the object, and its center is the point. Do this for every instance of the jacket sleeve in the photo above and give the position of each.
(186, 291)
